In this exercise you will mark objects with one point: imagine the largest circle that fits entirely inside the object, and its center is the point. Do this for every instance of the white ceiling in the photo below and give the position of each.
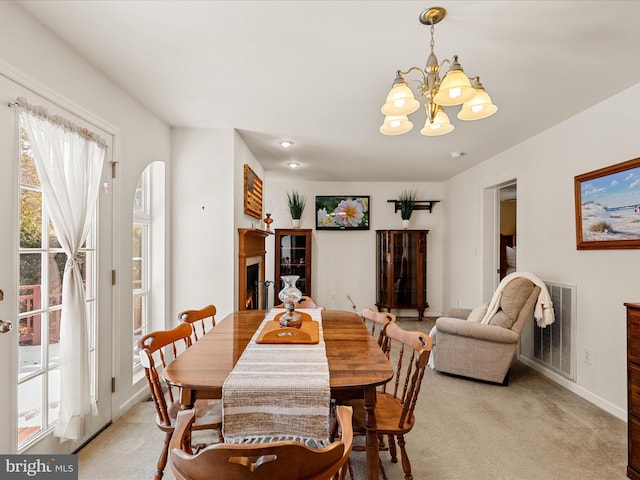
(317, 72)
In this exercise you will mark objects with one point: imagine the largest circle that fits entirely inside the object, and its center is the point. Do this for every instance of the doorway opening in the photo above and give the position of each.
(500, 234)
(507, 229)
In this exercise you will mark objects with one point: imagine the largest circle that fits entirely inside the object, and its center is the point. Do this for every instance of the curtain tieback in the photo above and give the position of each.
(73, 260)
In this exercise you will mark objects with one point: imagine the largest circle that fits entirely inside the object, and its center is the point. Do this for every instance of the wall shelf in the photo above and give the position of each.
(419, 204)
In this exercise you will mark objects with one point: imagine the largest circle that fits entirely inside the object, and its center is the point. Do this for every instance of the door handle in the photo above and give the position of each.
(5, 327)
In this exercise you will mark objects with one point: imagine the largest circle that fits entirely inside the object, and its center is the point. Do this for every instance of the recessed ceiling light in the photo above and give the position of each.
(285, 143)
(456, 154)
(293, 164)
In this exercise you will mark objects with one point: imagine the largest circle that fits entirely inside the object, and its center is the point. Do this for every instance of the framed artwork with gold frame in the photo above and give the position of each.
(252, 193)
(608, 207)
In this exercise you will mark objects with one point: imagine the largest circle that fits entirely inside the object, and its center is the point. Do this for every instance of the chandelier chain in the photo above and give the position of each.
(431, 43)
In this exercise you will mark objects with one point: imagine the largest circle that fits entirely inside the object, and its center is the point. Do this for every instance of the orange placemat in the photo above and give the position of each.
(272, 332)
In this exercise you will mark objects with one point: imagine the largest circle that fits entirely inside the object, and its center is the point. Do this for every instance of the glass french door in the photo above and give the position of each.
(32, 287)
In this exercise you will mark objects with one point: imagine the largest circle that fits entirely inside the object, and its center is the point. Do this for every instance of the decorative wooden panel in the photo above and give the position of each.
(252, 193)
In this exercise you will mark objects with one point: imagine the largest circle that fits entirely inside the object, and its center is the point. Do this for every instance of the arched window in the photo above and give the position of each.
(148, 256)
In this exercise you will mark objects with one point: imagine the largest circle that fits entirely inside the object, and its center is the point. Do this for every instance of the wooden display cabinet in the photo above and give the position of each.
(401, 266)
(293, 257)
(633, 389)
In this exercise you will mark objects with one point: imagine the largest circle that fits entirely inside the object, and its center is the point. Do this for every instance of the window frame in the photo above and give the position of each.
(142, 219)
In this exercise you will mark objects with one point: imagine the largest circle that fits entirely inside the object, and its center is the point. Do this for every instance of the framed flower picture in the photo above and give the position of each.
(608, 207)
(342, 212)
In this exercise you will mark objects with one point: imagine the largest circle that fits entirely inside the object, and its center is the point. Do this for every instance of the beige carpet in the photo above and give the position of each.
(530, 430)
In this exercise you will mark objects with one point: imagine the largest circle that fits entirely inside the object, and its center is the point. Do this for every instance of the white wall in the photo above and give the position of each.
(242, 156)
(344, 261)
(140, 138)
(545, 167)
(207, 210)
(203, 218)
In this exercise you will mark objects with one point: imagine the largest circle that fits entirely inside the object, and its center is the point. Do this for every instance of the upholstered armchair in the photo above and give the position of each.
(469, 347)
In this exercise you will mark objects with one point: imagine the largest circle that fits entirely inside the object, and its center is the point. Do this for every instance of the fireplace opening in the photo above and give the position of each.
(253, 277)
(251, 251)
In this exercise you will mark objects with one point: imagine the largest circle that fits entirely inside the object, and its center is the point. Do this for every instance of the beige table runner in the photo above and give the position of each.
(278, 390)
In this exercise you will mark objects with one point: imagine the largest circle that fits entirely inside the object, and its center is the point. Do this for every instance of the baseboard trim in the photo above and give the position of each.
(139, 396)
(577, 389)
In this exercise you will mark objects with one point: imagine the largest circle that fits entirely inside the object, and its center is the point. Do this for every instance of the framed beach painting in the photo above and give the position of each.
(342, 212)
(608, 207)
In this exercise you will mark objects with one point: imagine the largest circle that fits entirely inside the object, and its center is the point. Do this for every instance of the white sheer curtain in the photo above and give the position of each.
(69, 160)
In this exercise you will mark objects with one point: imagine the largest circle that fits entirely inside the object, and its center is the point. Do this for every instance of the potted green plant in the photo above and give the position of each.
(296, 202)
(407, 202)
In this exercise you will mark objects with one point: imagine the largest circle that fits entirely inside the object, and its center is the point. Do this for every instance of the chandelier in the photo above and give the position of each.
(454, 89)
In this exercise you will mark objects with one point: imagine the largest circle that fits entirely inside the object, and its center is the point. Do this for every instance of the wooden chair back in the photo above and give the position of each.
(200, 320)
(159, 348)
(155, 349)
(266, 461)
(305, 302)
(376, 321)
(409, 353)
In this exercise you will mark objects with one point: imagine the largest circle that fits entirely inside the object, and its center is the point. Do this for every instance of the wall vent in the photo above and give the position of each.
(554, 347)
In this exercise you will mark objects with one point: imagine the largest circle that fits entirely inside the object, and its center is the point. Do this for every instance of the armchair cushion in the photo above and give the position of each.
(514, 296)
(478, 313)
(462, 313)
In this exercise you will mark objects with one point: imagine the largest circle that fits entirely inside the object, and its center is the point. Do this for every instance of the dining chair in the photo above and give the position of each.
(376, 321)
(202, 320)
(408, 352)
(260, 461)
(158, 349)
(305, 302)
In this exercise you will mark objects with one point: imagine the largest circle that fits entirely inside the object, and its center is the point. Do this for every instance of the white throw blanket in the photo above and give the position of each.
(278, 390)
(543, 312)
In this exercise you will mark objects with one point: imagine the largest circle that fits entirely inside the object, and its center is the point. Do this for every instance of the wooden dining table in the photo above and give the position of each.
(356, 364)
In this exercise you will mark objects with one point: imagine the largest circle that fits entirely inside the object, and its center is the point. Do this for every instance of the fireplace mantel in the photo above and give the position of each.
(251, 243)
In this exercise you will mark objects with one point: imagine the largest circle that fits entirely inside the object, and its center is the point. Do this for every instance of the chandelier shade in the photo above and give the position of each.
(455, 88)
(479, 107)
(400, 100)
(439, 126)
(395, 125)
